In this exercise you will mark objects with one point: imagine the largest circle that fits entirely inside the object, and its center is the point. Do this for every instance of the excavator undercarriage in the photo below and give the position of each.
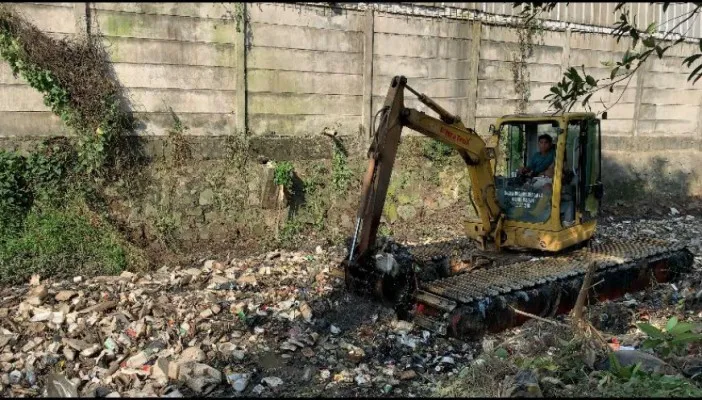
(507, 266)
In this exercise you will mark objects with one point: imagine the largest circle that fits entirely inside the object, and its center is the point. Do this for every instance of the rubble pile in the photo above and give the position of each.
(270, 325)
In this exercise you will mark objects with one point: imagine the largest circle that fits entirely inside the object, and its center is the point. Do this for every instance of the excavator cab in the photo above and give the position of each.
(568, 192)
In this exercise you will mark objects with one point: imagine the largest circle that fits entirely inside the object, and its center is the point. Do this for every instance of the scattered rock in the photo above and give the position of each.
(37, 295)
(408, 375)
(239, 381)
(64, 295)
(201, 378)
(649, 363)
(272, 381)
(523, 384)
(192, 354)
(58, 385)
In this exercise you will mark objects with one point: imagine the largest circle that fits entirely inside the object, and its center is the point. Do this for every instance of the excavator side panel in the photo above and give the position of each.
(517, 236)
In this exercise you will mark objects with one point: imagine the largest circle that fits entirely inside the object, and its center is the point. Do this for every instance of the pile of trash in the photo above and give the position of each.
(276, 324)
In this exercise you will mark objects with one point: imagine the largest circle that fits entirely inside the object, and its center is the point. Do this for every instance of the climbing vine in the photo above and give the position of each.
(51, 190)
(527, 30)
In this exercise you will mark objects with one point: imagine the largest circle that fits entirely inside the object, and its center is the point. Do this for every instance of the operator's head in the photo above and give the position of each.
(545, 143)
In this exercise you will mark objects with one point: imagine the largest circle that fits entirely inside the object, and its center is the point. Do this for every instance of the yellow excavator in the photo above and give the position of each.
(530, 246)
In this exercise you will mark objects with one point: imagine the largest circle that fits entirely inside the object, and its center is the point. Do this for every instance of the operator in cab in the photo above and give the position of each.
(541, 163)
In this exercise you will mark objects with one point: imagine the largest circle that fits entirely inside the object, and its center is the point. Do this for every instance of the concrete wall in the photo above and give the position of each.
(298, 69)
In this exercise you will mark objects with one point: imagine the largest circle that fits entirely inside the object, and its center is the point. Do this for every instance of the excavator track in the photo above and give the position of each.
(484, 299)
(476, 300)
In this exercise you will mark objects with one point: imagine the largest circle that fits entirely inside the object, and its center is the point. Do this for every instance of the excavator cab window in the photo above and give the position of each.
(523, 199)
(582, 157)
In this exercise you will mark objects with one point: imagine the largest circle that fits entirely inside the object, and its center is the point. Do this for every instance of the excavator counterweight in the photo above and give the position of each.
(530, 246)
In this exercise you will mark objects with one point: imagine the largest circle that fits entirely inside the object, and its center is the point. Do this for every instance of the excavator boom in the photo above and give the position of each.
(449, 130)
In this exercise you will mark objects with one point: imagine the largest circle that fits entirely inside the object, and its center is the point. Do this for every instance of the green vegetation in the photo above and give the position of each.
(60, 242)
(562, 370)
(181, 147)
(656, 40)
(674, 338)
(341, 174)
(48, 198)
(438, 152)
(283, 175)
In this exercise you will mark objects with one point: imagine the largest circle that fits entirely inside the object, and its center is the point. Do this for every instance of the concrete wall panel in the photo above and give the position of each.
(499, 70)
(182, 77)
(197, 10)
(421, 47)
(165, 27)
(277, 81)
(198, 124)
(502, 51)
(305, 104)
(28, 124)
(302, 125)
(49, 17)
(21, 98)
(300, 15)
(131, 50)
(303, 38)
(421, 27)
(182, 101)
(300, 60)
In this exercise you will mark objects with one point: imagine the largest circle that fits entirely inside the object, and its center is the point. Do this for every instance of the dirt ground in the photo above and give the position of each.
(280, 323)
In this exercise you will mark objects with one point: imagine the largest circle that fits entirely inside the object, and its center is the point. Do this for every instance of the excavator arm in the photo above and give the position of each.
(449, 129)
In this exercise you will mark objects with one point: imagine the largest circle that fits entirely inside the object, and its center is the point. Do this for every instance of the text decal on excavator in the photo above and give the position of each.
(453, 136)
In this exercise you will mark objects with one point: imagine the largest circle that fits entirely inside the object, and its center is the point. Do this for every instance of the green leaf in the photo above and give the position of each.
(686, 338)
(695, 72)
(501, 353)
(649, 42)
(590, 80)
(691, 59)
(613, 73)
(671, 323)
(660, 51)
(651, 330)
(682, 327)
(651, 28)
(586, 99)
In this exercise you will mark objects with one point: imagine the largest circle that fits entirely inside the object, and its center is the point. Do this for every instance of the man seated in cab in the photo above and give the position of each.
(542, 162)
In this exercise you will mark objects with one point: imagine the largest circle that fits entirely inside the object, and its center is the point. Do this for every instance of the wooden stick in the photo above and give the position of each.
(526, 314)
(582, 296)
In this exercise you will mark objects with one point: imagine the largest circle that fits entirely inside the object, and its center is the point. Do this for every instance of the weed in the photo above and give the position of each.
(60, 242)
(673, 339)
(181, 147)
(436, 151)
(631, 381)
(341, 173)
(283, 175)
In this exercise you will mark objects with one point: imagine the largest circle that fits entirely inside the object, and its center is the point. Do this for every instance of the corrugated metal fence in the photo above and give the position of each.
(601, 14)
